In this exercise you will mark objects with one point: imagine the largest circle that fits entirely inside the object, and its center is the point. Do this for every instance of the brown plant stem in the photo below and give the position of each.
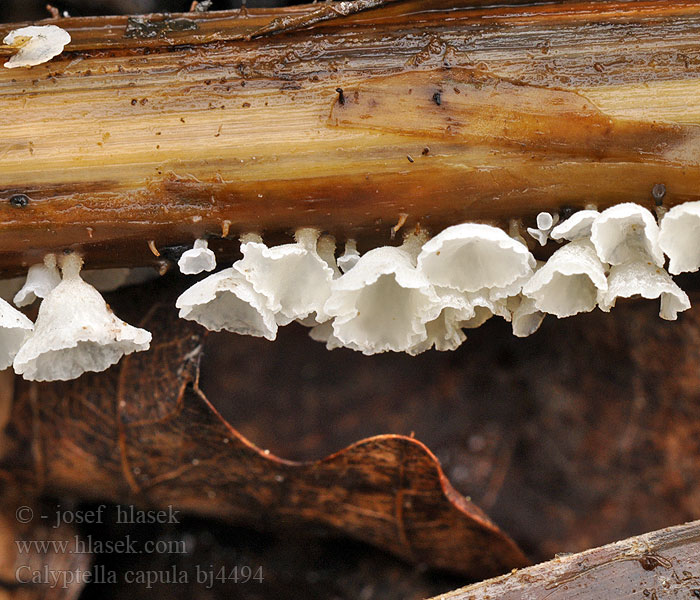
(165, 128)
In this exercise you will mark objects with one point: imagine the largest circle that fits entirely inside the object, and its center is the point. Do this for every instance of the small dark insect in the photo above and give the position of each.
(410, 158)
(173, 252)
(437, 98)
(426, 150)
(658, 192)
(19, 200)
(565, 212)
(341, 95)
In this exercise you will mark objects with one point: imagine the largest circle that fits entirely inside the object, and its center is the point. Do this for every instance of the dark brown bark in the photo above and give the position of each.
(660, 564)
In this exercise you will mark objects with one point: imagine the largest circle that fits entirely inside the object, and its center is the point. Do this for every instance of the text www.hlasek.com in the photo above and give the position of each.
(89, 545)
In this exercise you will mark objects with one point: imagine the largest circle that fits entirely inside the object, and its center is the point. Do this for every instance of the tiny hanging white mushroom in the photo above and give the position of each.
(545, 223)
(680, 237)
(294, 278)
(15, 328)
(641, 277)
(325, 247)
(622, 231)
(324, 333)
(526, 317)
(383, 303)
(577, 226)
(41, 279)
(37, 44)
(570, 282)
(444, 332)
(226, 300)
(197, 259)
(472, 257)
(350, 257)
(76, 332)
(485, 307)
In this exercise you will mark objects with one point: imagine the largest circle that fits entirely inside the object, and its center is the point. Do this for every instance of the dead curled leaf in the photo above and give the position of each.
(144, 433)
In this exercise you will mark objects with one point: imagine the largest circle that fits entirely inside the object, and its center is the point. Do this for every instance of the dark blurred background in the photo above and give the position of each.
(29, 10)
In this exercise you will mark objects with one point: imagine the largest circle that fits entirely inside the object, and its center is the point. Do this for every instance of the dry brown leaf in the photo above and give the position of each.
(145, 433)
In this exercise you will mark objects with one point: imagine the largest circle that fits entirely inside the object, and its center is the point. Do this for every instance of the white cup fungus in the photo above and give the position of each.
(570, 282)
(622, 231)
(227, 301)
(197, 259)
(75, 332)
(679, 237)
(36, 44)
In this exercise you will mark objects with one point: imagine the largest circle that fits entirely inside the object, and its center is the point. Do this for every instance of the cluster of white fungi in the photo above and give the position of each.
(409, 298)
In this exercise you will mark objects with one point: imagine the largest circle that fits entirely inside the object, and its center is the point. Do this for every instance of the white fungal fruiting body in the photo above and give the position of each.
(622, 232)
(444, 332)
(198, 259)
(383, 303)
(37, 44)
(526, 317)
(41, 279)
(324, 333)
(294, 279)
(679, 237)
(577, 226)
(570, 282)
(642, 277)
(15, 328)
(423, 294)
(545, 222)
(76, 332)
(473, 257)
(350, 257)
(226, 300)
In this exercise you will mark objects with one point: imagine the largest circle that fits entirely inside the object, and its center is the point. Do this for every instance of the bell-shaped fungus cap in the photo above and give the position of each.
(444, 332)
(15, 328)
(349, 257)
(37, 44)
(485, 306)
(570, 282)
(577, 226)
(325, 247)
(526, 317)
(680, 237)
(41, 279)
(545, 222)
(643, 278)
(471, 257)
(383, 303)
(76, 332)
(294, 278)
(622, 231)
(324, 333)
(226, 300)
(197, 259)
